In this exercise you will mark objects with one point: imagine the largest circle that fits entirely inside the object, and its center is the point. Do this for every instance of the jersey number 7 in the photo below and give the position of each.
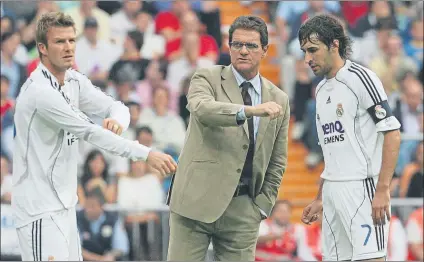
(368, 234)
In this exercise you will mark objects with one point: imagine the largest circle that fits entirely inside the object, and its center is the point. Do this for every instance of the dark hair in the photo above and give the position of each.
(4, 78)
(132, 103)
(250, 23)
(97, 194)
(163, 67)
(87, 175)
(145, 129)
(137, 37)
(327, 29)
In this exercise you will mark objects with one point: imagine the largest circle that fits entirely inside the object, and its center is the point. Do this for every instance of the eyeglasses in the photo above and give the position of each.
(239, 45)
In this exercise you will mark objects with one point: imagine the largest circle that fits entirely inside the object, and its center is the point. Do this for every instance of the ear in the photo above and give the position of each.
(335, 44)
(42, 48)
(265, 48)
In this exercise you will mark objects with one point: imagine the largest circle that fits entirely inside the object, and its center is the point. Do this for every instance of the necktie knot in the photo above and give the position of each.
(246, 85)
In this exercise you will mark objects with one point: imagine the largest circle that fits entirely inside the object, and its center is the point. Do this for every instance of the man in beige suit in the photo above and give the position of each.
(235, 153)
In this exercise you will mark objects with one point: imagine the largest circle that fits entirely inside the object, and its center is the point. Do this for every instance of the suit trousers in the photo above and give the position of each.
(233, 235)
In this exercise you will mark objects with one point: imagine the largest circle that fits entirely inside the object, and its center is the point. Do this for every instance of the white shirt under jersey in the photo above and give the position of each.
(352, 112)
(49, 121)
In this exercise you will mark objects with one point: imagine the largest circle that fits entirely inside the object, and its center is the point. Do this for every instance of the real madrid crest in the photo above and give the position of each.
(380, 112)
(339, 110)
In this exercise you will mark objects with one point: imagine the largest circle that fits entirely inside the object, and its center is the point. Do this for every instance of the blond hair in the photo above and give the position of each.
(49, 20)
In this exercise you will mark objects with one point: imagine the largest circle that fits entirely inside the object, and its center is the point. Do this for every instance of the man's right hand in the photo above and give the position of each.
(271, 109)
(163, 163)
(312, 212)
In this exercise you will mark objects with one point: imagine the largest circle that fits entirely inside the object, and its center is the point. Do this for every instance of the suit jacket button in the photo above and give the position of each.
(239, 170)
(245, 147)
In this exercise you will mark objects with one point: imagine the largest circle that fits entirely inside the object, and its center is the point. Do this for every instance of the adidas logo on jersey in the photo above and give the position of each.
(328, 100)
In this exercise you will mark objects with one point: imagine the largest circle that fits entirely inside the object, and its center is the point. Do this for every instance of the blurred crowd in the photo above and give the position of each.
(144, 53)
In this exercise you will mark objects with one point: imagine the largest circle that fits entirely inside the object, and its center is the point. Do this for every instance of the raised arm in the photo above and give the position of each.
(53, 108)
(202, 103)
(95, 102)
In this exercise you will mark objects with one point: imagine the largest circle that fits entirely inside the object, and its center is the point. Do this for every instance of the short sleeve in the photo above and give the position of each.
(373, 98)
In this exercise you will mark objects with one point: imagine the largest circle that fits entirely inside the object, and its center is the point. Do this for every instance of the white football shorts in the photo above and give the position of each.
(348, 232)
(51, 238)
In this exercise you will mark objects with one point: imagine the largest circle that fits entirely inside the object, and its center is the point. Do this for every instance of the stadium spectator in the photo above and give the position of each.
(131, 57)
(140, 190)
(7, 24)
(6, 180)
(135, 111)
(408, 172)
(123, 84)
(314, 8)
(189, 62)
(287, 11)
(392, 64)
(168, 127)
(144, 136)
(352, 11)
(310, 135)
(208, 47)
(14, 71)
(86, 9)
(281, 240)
(95, 177)
(102, 233)
(414, 47)
(123, 21)
(415, 188)
(408, 109)
(156, 74)
(414, 231)
(374, 42)
(27, 23)
(154, 44)
(167, 23)
(6, 103)
(91, 45)
(377, 10)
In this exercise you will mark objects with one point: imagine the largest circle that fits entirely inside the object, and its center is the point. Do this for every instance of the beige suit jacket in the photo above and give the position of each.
(215, 149)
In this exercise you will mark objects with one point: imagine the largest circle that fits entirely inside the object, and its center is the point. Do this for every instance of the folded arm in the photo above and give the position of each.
(95, 102)
(202, 104)
(55, 110)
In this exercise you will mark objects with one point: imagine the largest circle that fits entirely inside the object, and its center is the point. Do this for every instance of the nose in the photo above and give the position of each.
(244, 50)
(68, 46)
(307, 58)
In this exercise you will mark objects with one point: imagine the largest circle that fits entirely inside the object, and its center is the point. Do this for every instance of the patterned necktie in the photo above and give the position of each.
(247, 172)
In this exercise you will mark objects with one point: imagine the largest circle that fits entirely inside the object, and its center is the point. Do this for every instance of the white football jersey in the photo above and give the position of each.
(49, 121)
(352, 112)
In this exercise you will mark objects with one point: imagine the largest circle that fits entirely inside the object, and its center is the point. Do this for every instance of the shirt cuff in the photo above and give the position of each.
(241, 116)
(263, 213)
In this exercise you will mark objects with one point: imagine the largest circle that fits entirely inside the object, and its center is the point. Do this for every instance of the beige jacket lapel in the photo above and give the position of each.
(231, 88)
(263, 122)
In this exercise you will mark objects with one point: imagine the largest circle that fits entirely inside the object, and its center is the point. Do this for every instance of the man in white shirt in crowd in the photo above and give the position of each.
(51, 116)
(360, 139)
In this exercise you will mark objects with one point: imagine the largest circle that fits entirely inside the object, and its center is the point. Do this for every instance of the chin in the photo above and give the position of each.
(243, 67)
